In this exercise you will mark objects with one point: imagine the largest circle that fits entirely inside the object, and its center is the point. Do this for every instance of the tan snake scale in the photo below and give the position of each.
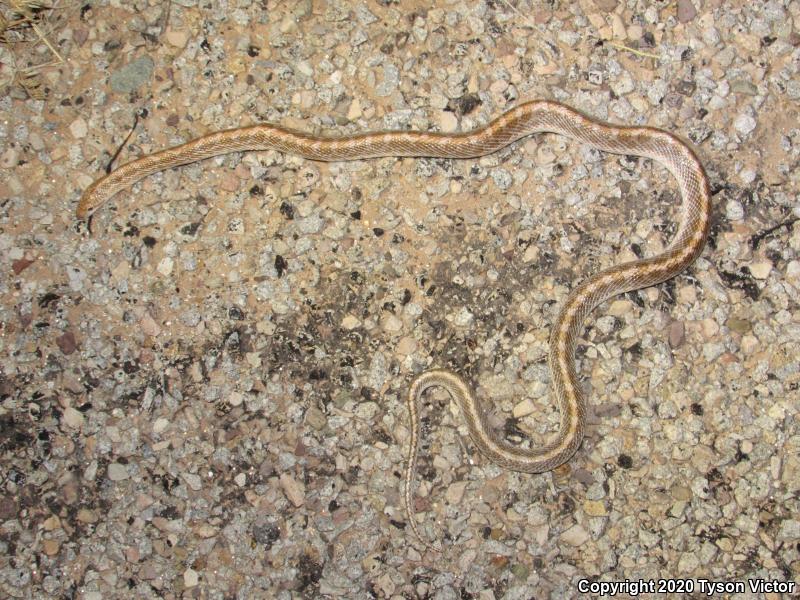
(524, 120)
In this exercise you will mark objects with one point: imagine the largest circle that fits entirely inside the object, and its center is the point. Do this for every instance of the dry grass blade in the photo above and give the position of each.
(28, 9)
(18, 18)
(29, 12)
(31, 83)
(11, 23)
(635, 51)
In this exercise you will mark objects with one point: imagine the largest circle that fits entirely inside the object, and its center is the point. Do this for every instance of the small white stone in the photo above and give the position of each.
(194, 481)
(463, 318)
(190, 578)
(406, 346)
(620, 308)
(72, 418)
(294, 490)
(287, 24)
(749, 344)
(160, 425)
(618, 27)
(76, 278)
(392, 324)
(235, 398)
(793, 270)
(149, 326)
(117, 472)
(240, 479)
(113, 433)
(447, 121)
(177, 37)
(531, 254)
(350, 322)
(78, 128)
(354, 112)
(575, 536)
(760, 270)
(305, 68)
(688, 563)
(734, 210)
(545, 156)
(747, 175)
(9, 158)
(524, 408)
(744, 124)
(165, 266)
(710, 328)
(455, 492)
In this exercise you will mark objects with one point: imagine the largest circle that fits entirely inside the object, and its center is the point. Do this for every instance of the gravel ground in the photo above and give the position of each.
(203, 396)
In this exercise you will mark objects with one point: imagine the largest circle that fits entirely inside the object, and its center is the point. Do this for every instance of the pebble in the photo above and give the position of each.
(455, 492)
(165, 266)
(406, 346)
(51, 547)
(463, 318)
(744, 124)
(194, 481)
(73, 418)
(149, 326)
(524, 408)
(391, 79)
(594, 508)
(294, 490)
(760, 269)
(686, 11)
(190, 578)
(747, 176)
(77, 278)
(235, 398)
(545, 156)
(132, 76)
(793, 271)
(620, 308)
(79, 128)
(531, 254)
(618, 27)
(117, 472)
(738, 325)
(354, 112)
(315, 418)
(84, 515)
(391, 324)
(502, 178)
(448, 122)
(734, 211)
(575, 536)
(677, 334)
(177, 37)
(9, 158)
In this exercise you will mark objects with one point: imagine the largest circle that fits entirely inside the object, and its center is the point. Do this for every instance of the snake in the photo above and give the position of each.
(526, 119)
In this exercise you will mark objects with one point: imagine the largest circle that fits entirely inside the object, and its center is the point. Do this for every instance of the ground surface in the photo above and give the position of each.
(204, 396)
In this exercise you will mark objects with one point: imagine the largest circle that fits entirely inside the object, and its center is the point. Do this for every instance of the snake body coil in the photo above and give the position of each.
(524, 120)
